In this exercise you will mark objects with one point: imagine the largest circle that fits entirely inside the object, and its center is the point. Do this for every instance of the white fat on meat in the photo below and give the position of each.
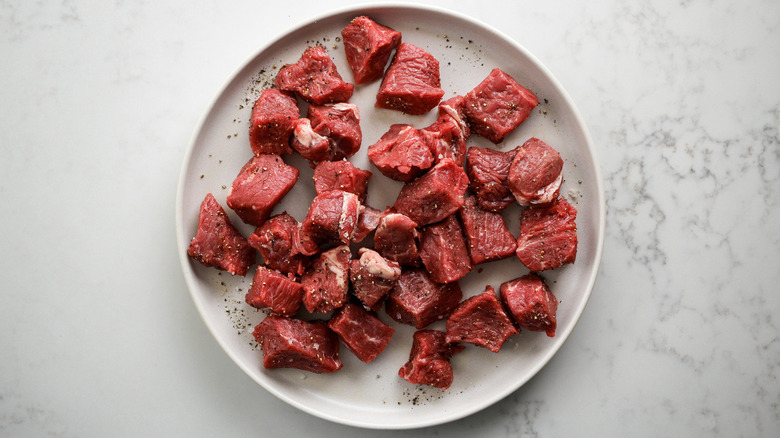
(334, 265)
(452, 112)
(347, 107)
(377, 266)
(347, 201)
(545, 195)
(305, 135)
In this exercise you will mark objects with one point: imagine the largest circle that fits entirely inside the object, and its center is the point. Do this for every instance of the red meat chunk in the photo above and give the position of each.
(401, 153)
(273, 117)
(531, 304)
(548, 236)
(274, 239)
(341, 175)
(535, 173)
(332, 217)
(362, 332)
(488, 170)
(455, 107)
(326, 282)
(368, 46)
(396, 239)
(429, 360)
(217, 243)
(275, 291)
(372, 277)
(498, 105)
(486, 232)
(480, 320)
(304, 243)
(446, 139)
(315, 78)
(435, 195)
(419, 301)
(260, 185)
(292, 343)
(308, 143)
(411, 83)
(443, 251)
(367, 222)
(340, 124)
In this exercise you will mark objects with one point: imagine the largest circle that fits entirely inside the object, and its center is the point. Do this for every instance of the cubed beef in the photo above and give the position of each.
(435, 195)
(488, 170)
(361, 331)
(274, 291)
(304, 243)
(273, 117)
(315, 78)
(455, 107)
(443, 251)
(373, 277)
(340, 124)
(292, 343)
(419, 301)
(309, 144)
(368, 46)
(487, 235)
(445, 139)
(401, 153)
(535, 173)
(367, 222)
(259, 186)
(480, 320)
(411, 83)
(498, 105)
(548, 236)
(531, 304)
(429, 360)
(326, 282)
(341, 175)
(274, 239)
(396, 239)
(217, 243)
(332, 217)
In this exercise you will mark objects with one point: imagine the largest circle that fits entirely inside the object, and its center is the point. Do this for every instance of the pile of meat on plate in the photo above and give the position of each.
(446, 219)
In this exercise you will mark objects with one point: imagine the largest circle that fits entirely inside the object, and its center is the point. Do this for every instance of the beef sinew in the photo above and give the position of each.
(368, 46)
(275, 241)
(411, 83)
(535, 173)
(326, 282)
(274, 291)
(443, 251)
(372, 277)
(419, 301)
(488, 170)
(260, 185)
(273, 117)
(292, 343)
(480, 320)
(548, 236)
(361, 331)
(531, 304)
(435, 195)
(429, 360)
(315, 78)
(487, 235)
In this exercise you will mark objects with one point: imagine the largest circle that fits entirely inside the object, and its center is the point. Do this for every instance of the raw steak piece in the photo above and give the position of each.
(274, 239)
(341, 175)
(292, 343)
(419, 301)
(480, 320)
(435, 195)
(548, 236)
(443, 251)
(362, 332)
(309, 144)
(304, 243)
(373, 277)
(340, 124)
(273, 117)
(401, 153)
(488, 170)
(367, 222)
(429, 360)
(486, 232)
(411, 83)
(315, 78)
(326, 282)
(275, 291)
(396, 237)
(535, 173)
(332, 217)
(259, 186)
(446, 140)
(217, 243)
(531, 304)
(498, 105)
(455, 107)
(368, 46)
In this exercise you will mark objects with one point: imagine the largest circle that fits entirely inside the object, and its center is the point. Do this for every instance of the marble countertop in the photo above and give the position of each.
(99, 333)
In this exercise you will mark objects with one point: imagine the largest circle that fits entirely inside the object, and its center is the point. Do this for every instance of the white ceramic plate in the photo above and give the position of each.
(372, 395)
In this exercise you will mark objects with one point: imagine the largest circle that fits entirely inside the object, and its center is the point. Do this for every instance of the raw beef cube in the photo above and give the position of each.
(401, 153)
(446, 140)
(455, 107)
(373, 277)
(396, 237)
(488, 170)
(259, 186)
(419, 301)
(340, 124)
(326, 282)
(217, 243)
(304, 243)
(367, 222)
(548, 236)
(531, 304)
(292, 343)
(341, 175)
(429, 360)
(443, 251)
(535, 173)
(362, 332)
(309, 144)
(273, 117)
(411, 83)
(275, 291)
(435, 195)
(274, 239)
(480, 320)
(498, 105)
(486, 232)
(368, 46)
(315, 78)
(332, 217)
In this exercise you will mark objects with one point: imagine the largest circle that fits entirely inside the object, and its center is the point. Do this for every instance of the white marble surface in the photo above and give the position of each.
(100, 337)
